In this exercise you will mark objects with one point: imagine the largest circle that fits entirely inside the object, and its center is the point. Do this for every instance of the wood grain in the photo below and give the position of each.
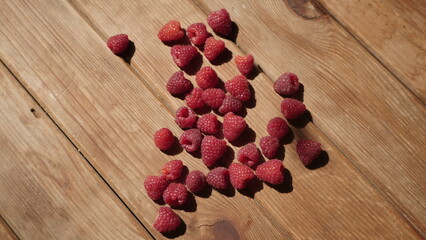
(5, 232)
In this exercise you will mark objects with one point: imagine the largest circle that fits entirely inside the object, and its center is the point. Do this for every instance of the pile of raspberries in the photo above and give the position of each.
(203, 133)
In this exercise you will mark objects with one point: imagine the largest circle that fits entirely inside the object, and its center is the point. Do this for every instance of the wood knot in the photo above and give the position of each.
(308, 9)
(35, 113)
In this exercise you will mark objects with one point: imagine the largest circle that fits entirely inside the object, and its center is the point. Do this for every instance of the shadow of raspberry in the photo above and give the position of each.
(177, 233)
(302, 120)
(223, 57)
(128, 54)
(175, 149)
(253, 187)
(319, 162)
(194, 66)
(248, 136)
(286, 186)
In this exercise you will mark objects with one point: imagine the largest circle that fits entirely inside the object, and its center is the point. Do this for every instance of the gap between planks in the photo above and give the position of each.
(8, 228)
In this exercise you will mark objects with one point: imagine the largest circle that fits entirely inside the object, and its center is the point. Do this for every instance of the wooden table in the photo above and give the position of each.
(76, 121)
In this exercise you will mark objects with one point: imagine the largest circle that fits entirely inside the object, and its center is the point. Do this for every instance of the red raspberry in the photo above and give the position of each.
(244, 64)
(194, 98)
(287, 84)
(195, 181)
(213, 97)
(185, 117)
(206, 77)
(197, 33)
(230, 104)
(178, 84)
(292, 108)
(277, 127)
(240, 175)
(220, 22)
(233, 126)
(155, 186)
(269, 146)
(213, 48)
(208, 123)
(171, 31)
(175, 194)
(191, 140)
(248, 155)
(271, 172)
(239, 88)
(172, 169)
(118, 43)
(164, 139)
(212, 149)
(218, 178)
(167, 220)
(183, 54)
(308, 150)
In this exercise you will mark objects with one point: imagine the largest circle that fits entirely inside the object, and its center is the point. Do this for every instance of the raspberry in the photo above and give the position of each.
(194, 98)
(171, 31)
(164, 139)
(208, 123)
(277, 127)
(220, 22)
(155, 186)
(185, 117)
(167, 220)
(271, 172)
(195, 181)
(287, 84)
(213, 97)
(233, 126)
(206, 77)
(172, 169)
(212, 149)
(183, 54)
(118, 43)
(190, 140)
(175, 194)
(244, 64)
(308, 150)
(239, 88)
(248, 155)
(213, 48)
(218, 178)
(240, 175)
(230, 104)
(197, 33)
(269, 146)
(292, 108)
(178, 84)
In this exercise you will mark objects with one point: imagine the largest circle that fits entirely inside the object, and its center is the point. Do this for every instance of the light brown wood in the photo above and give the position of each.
(5, 232)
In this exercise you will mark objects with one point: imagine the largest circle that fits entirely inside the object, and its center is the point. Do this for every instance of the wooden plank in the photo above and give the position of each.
(5, 232)
(48, 191)
(367, 113)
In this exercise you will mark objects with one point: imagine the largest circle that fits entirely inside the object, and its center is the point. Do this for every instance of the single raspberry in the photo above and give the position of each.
(218, 178)
(233, 126)
(175, 194)
(239, 88)
(183, 54)
(292, 108)
(195, 181)
(269, 146)
(308, 150)
(118, 43)
(178, 84)
(287, 84)
(220, 22)
(240, 175)
(172, 169)
(244, 64)
(155, 186)
(197, 33)
(208, 123)
(185, 117)
(212, 48)
(206, 77)
(164, 139)
(167, 220)
(271, 172)
(212, 149)
(213, 97)
(248, 155)
(190, 140)
(277, 127)
(230, 104)
(171, 32)
(194, 98)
